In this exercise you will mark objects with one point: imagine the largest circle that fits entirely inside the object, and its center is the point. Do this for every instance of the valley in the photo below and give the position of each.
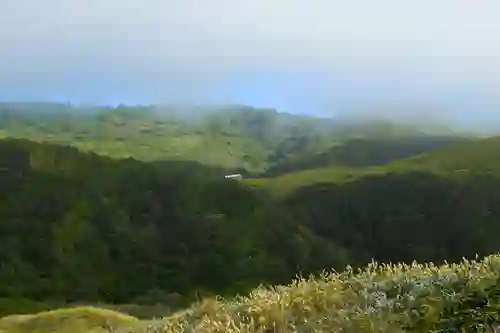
(129, 205)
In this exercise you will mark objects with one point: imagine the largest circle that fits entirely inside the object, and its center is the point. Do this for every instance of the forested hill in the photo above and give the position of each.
(77, 227)
(363, 152)
(82, 227)
(236, 137)
(440, 205)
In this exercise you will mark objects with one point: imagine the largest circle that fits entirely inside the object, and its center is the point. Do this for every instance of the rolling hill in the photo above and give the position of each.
(455, 157)
(233, 136)
(165, 227)
(363, 152)
(87, 228)
(373, 211)
(135, 214)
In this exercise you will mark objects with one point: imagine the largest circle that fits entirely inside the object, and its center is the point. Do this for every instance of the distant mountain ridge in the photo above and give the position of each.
(229, 136)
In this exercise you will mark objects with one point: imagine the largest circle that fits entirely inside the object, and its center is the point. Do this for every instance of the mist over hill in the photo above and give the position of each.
(365, 134)
(232, 136)
(129, 204)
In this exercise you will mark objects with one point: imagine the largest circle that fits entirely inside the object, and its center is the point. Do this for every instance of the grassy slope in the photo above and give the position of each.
(223, 150)
(365, 152)
(74, 320)
(136, 133)
(474, 156)
(382, 298)
(477, 155)
(231, 136)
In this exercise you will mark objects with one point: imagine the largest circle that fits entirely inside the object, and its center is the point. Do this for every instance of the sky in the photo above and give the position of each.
(424, 58)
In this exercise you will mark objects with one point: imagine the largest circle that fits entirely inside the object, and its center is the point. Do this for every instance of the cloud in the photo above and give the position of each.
(329, 53)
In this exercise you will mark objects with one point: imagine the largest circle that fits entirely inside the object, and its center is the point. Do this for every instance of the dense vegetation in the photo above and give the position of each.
(83, 227)
(381, 298)
(421, 298)
(162, 225)
(464, 158)
(364, 152)
(237, 137)
(229, 136)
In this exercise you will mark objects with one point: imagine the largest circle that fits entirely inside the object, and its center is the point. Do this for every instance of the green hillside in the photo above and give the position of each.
(132, 132)
(233, 136)
(460, 297)
(363, 152)
(152, 232)
(457, 157)
(81, 227)
(480, 155)
(162, 225)
(373, 211)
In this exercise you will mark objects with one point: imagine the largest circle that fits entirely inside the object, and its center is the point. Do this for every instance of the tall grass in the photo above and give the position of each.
(392, 298)
(462, 297)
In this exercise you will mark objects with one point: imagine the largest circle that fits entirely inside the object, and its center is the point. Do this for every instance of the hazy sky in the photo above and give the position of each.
(322, 56)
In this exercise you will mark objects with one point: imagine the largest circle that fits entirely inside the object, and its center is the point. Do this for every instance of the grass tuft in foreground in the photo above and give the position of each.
(382, 298)
(462, 297)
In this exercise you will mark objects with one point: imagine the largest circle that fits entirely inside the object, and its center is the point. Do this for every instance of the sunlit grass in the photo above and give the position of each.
(381, 298)
(462, 297)
(77, 320)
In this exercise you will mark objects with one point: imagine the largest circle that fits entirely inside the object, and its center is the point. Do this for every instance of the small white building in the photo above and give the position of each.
(234, 176)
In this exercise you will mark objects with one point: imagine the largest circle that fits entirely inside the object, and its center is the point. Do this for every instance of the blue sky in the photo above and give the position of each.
(315, 56)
